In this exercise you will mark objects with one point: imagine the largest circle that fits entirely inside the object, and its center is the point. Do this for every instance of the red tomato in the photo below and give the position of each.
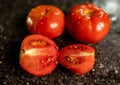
(47, 20)
(78, 58)
(88, 23)
(38, 55)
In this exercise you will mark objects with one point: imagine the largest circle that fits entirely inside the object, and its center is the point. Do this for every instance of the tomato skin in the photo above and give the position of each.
(38, 55)
(78, 58)
(47, 20)
(88, 23)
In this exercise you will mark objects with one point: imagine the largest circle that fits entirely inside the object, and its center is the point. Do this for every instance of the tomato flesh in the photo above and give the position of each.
(38, 55)
(78, 58)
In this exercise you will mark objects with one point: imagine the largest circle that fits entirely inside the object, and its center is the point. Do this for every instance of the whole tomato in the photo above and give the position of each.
(88, 23)
(78, 58)
(38, 55)
(47, 20)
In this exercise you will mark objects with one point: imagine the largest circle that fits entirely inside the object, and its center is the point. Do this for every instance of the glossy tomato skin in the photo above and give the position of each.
(47, 20)
(88, 23)
(78, 58)
(38, 55)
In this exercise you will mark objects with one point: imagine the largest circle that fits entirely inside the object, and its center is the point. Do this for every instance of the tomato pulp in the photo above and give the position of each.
(78, 58)
(38, 55)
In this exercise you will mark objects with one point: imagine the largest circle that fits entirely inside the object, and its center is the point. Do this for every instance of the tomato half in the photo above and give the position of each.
(38, 55)
(78, 58)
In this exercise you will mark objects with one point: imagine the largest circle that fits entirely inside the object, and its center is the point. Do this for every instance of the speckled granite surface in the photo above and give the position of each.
(13, 29)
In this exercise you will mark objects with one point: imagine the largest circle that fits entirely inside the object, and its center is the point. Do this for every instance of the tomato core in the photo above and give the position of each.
(45, 12)
(88, 12)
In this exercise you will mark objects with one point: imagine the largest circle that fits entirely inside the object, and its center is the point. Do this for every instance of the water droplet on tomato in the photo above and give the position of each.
(53, 25)
(29, 21)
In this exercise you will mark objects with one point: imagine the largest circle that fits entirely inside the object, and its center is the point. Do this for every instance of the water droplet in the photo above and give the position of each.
(42, 61)
(29, 21)
(113, 18)
(0, 62)
(53, 25)
(57, 13)
(4, 37)
(73, 14)
(28, 83)
(93, 70)
(116, 71)
(101, 65)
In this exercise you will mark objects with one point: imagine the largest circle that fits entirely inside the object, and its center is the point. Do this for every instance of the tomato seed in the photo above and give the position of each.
(81, 47)
(42, 61)
(39, 43)
(70, 59)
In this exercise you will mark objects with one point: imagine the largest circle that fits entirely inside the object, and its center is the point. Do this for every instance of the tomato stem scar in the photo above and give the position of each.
(88, 12)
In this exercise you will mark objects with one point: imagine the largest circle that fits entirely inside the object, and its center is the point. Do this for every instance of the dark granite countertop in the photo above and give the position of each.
(13, 29)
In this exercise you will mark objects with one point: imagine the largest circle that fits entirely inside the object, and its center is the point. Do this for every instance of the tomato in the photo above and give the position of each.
(78, 58)
(47, 20)
(38, 55)
(88, 23)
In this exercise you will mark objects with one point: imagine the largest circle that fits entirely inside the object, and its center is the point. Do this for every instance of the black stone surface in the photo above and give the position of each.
(13, 29)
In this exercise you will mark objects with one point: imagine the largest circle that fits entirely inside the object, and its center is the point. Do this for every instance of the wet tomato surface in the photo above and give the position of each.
(47, 20)
(88, 23)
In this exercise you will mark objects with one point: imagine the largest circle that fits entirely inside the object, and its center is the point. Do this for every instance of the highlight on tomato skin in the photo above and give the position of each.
(88, 23)
(78, 58)
(47, 20)
(38, 55)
